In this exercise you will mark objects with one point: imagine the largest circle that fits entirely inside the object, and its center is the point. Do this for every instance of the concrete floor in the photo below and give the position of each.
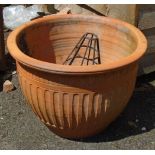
(21, 129)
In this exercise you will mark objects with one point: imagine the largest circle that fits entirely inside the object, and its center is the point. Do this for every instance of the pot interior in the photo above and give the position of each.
(53, 40)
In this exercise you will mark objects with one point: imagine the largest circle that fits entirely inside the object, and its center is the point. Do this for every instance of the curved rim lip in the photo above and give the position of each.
(65, 69)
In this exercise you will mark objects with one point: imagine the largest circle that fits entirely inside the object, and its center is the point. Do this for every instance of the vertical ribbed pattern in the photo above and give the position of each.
(47, 107)
(51, 109)
(35, 101)
(39, 103)
(66, 111)
(106, 105)
(70, 110)
(86, 106)
(97, 104)
(31, 100)
(58, 108)
(62, 110)
(76, 108)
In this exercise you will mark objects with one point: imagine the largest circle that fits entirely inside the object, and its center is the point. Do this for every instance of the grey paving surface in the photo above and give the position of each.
(21, 129)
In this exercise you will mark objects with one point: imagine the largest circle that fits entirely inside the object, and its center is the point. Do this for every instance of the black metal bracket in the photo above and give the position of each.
(87, 49)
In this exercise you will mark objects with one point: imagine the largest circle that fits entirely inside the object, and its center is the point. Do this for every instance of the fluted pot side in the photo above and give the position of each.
(73, 112)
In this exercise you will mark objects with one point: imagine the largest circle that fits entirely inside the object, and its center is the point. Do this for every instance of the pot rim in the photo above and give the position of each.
(66, 69)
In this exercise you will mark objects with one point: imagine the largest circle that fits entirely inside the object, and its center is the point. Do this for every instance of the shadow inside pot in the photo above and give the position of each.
(137, 118)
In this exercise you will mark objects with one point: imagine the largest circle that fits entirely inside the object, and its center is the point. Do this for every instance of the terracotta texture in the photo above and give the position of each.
(76, 101)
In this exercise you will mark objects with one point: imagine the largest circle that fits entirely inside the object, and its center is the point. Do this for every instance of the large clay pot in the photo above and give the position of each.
(76, 101)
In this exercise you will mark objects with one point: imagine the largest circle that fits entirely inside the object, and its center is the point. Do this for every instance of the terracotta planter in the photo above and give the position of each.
(76, 101)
